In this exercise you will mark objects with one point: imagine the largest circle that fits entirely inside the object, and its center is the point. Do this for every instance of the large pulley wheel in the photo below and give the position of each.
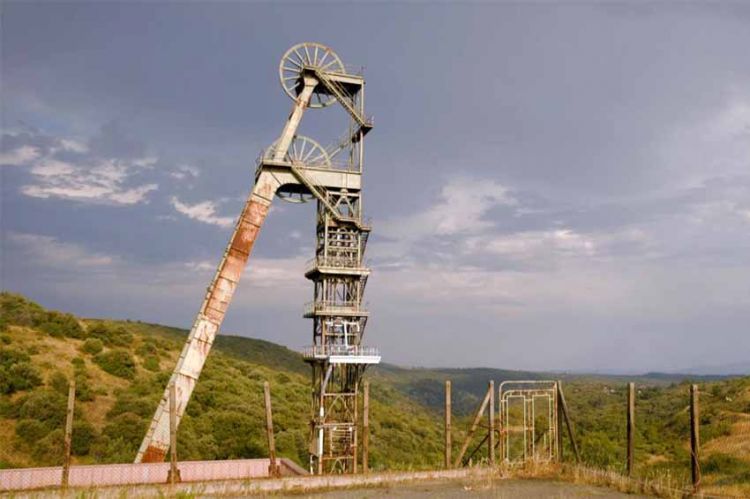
(308, 56)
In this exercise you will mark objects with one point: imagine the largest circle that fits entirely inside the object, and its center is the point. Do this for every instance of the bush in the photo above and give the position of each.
(59, 383)
(17, 310)
(59, 325)
(84, 392)
(84, 436)
(127, 427)
(21, 376)
(111, 336)
(49, 450)
(45, 406)
(31, 430)
(151, 363)
(146, 348)
(92, 346)
(117, 362)
(10, 356)
(5, 339)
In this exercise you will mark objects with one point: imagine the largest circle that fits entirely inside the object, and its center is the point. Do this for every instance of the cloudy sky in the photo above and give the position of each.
(551, 186)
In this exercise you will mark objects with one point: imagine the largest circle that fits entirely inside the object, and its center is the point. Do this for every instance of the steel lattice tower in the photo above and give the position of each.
(298, 169)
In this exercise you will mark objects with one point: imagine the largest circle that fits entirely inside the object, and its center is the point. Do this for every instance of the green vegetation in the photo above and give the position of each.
(121, 368)
(118, 362)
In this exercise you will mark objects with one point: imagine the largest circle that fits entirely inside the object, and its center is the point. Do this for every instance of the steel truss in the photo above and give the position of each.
(298, 169)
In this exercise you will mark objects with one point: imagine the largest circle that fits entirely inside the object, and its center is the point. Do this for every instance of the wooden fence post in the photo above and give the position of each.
(474, 424)
(491, 452)
(695, 467)
(366, 429)
(631, 427)
(273, 471)
(174, 473)
(448, 442)
(68, 432)
(568, 424)
(558, 411)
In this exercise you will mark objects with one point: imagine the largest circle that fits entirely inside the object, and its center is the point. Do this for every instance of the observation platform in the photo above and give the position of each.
(334, 266)
(342, 354)
(317, 308)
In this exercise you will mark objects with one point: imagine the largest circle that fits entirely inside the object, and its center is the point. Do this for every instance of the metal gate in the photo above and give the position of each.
(528, 421)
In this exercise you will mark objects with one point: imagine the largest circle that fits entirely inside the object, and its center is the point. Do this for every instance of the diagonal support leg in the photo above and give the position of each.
(190, 363)
(473, 428)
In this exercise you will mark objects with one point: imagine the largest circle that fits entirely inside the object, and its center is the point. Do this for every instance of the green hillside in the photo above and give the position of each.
(121, 368)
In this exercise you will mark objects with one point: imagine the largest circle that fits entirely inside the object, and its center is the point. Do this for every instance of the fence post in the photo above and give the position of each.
(366, 429)
(448, 442)
(491, 438)
(695, 467)
(274, 471)
(174, 473)
(559, 414)
(568, 424)
(68, 432)
(631, 427)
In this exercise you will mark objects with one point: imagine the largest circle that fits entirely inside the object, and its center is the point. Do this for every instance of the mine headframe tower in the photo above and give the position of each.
(298, 169)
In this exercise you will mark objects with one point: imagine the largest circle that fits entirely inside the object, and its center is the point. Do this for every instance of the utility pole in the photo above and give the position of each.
(69, 432)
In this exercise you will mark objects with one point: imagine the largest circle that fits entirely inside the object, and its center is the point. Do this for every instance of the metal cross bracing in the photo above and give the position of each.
(298, 169)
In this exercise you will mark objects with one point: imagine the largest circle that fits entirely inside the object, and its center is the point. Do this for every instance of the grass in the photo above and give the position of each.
(225, 416)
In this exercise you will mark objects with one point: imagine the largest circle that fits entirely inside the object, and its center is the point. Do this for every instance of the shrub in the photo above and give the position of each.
(146, 348)
(78, 363)
(60, 325)
(151, 363)
(5, 339)
(111, 336)
(58, 382)
(49, 450)
(128, 427)
(84, 436)
(17, 310)
(45, 406)
(21, 376)
(92, 346)
(31, 430)
(117, 362)
(84, 392)
(10, 356)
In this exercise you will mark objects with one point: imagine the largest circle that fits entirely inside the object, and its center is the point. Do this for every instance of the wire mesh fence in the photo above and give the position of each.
(101, 475)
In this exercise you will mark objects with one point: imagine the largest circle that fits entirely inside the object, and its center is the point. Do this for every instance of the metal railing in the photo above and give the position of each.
(333, 262)
(317, 351)
(333, 307)
(336, 165)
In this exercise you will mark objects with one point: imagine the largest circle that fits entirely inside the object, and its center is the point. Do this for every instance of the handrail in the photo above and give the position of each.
(349, 350)
(332, 306)
(333, 262)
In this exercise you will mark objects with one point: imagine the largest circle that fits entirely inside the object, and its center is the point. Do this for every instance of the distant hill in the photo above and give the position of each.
(121, 368)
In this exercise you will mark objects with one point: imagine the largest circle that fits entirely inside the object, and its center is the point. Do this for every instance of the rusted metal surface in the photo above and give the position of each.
(142, 473)
(190, 364)
(314, 77)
